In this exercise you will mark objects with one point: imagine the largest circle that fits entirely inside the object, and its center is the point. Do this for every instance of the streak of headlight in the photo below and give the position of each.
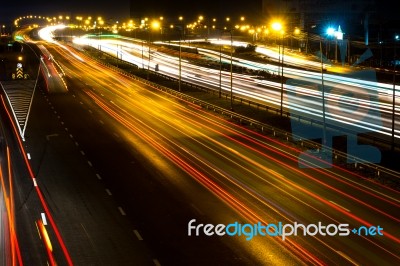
(47, 35)
(47, 241)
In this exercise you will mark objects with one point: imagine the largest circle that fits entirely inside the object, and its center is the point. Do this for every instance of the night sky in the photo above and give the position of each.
(10, 9)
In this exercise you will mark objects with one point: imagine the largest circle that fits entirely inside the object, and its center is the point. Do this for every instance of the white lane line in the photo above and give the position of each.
(108, 192)
(82, 152)
(121, 211)
(90, 111)
(70, 135)
(34, 182)
(137, 234)
(44, 218)
(90, 163)
(101, 122)
(81, 102)
(76, 144)
(339, 206)
(28, 155)
(66, 129)
(156, 262)
(98, 176)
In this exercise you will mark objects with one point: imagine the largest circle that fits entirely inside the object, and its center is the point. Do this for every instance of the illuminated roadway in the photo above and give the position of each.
(167, 161)
(354, 100)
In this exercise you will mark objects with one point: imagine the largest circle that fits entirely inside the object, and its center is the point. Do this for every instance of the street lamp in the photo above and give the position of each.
(154, 25)
(277, 26)
(181, 32)
(323, 96)
(396, 38)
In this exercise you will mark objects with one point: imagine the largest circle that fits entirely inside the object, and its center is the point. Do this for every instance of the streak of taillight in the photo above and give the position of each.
(290, 157)
(288, 166)
(240, 207)
(39, 193)
(15, 251)
(296, 151)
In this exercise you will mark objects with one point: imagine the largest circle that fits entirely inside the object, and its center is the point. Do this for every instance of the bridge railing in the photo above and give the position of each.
(367, 169)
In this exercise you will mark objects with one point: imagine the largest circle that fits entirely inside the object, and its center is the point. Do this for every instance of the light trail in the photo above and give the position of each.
(37, 189)
(217, 190)
(379, 106)
(249, 156)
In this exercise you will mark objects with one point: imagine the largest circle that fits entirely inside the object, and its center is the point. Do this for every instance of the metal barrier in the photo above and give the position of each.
(369, 170)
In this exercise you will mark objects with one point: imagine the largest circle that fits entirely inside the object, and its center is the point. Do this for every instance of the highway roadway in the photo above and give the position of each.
(354, 99)
(166, 161)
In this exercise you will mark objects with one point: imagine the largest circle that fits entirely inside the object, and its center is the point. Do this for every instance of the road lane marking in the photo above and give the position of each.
(90, 163)
(121, 211)
(70, 135)
(28, 155)
(82, 152)
(156, 262)
(98, 176)
(101, 122)
(44, 218)
(34, 182)
(139, 237)
(76, 144)
(108, 192)
(51, 135)
(339, 206)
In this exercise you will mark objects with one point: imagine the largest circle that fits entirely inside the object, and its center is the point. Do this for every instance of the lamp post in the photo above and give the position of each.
(277, 26)
(154, 25)
(220, 71)
(397, 37)
(182, 28)
(142, 53)
(148, 58)
(231, 85)
(323, 96)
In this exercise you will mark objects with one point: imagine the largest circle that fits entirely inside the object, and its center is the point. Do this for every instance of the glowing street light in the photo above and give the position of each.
(276, 26)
